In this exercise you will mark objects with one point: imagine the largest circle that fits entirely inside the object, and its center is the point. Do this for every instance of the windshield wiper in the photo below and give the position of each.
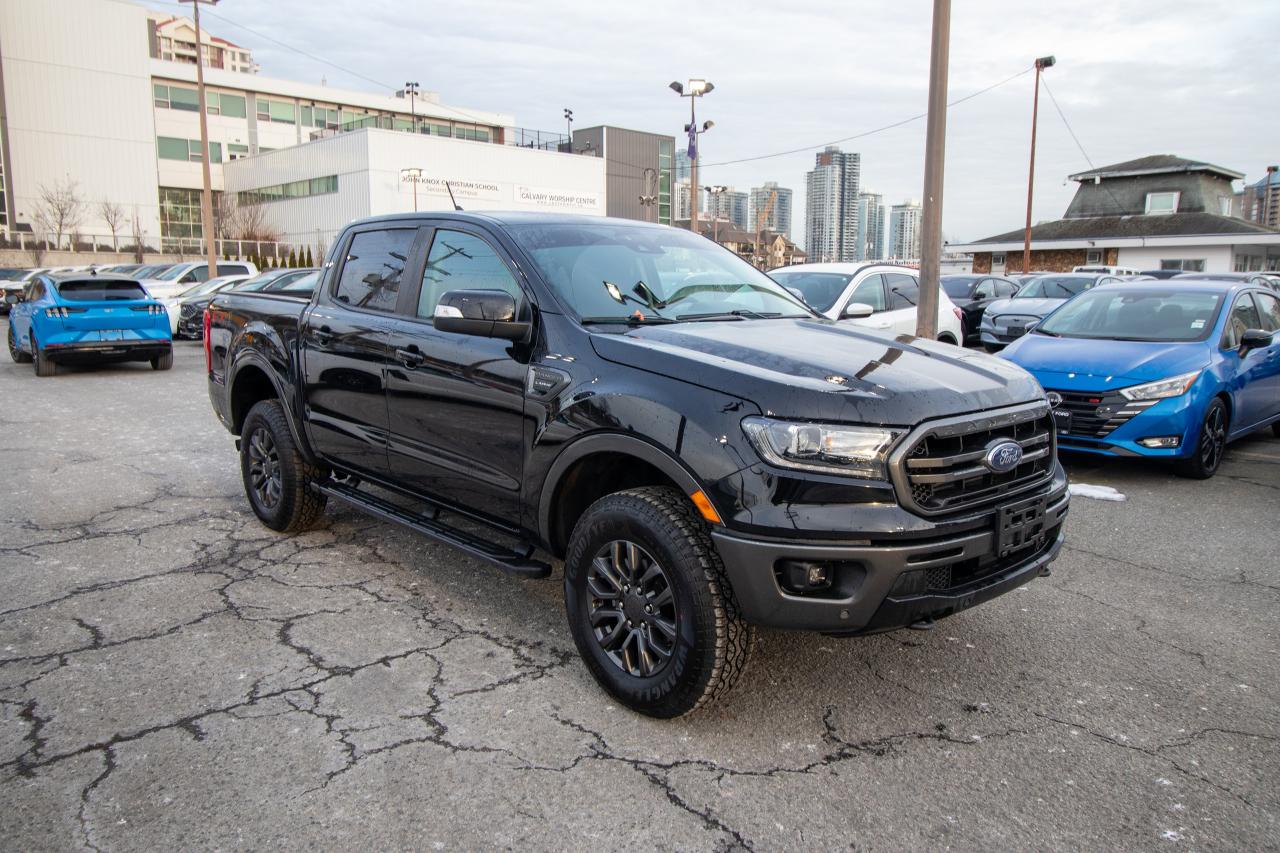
(627, 321)
(1045, 332)
(735, 314)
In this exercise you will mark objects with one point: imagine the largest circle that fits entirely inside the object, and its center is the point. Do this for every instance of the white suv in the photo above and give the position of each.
(179, 277)
(878, 296)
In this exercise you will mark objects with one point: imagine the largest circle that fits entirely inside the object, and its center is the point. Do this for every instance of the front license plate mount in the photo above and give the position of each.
(1020, 525)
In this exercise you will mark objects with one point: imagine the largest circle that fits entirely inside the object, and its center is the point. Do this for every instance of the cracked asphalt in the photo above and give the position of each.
(175, 676)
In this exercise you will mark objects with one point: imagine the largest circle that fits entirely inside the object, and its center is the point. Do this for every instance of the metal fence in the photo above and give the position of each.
(126, 244)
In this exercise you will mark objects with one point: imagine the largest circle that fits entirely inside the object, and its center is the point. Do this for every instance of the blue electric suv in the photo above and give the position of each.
(1170, 370)
(81, 317)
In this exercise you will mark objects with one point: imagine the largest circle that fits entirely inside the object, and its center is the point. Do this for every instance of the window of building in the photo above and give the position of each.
(176, 97)
(1161, 204)
(283, 112)
(180, 213)
(232, 106)
(997, 259)
(294, 189)
(236, 151)
(1093, 256)
(459, 261)
(1188, 264)
(371, 273)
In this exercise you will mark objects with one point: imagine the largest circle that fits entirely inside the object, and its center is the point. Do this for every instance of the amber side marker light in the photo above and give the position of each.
(703, 503)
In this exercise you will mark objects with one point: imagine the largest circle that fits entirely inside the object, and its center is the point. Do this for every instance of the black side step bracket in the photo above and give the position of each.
(516, 562)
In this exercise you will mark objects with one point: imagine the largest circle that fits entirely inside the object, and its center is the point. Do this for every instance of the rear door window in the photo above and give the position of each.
(371, 272)
(100, 291)
(1004, 288)
(904, 291)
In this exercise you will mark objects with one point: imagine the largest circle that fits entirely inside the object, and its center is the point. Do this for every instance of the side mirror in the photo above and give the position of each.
(1031, 325)
(1255, 339)
(857, 311)
(13, 298)
(483, 313)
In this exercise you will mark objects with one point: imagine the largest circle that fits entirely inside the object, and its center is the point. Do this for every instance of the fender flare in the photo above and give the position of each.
(249, 358)
(607, 443)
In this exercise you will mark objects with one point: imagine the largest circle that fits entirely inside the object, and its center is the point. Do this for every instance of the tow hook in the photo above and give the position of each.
(1045, 571)
(922, 625)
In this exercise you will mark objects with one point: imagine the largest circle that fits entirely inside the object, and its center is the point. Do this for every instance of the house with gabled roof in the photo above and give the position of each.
(1156, 212)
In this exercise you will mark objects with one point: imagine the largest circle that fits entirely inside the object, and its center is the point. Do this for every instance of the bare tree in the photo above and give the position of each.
(250, 222)
(138, 236)
(59, 209)
(112, 216)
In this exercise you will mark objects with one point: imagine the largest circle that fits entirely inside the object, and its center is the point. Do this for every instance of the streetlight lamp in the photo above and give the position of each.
(714, 207)
(695, 89)
(411, 89)
(412, 175)
(568, 123)
(1041, 64)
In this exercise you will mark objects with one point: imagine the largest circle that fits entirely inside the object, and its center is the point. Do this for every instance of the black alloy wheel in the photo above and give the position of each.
(633, 608)
(15, 351)
(1211, 445)
(264, 468)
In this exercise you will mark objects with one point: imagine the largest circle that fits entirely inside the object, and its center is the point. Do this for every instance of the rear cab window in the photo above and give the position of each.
(371, 272)
(91, 290)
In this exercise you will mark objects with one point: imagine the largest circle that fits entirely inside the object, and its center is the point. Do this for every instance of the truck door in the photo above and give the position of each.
(456, 402)
(344, 348)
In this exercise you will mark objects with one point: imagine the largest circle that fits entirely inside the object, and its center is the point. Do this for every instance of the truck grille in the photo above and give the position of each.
(939, 468)
(1097, 415)
(187, 311)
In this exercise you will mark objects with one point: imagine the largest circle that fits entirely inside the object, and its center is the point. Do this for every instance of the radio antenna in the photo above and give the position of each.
(456, 206)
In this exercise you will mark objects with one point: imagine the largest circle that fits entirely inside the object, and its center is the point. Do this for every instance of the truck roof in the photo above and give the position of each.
(509, 217)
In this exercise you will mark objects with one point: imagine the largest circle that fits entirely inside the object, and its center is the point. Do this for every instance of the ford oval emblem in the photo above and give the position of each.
(1003, 456)
(1054, 398)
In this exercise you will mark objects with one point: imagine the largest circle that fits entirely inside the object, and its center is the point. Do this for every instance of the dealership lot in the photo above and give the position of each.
(173, 675)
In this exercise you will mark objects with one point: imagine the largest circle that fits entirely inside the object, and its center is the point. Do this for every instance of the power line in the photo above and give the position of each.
(867, 133)
(1120, 209)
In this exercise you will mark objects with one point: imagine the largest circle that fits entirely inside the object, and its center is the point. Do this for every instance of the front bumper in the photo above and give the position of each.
(870, 592)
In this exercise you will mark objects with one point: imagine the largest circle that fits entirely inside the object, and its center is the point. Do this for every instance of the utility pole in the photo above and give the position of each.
(206, 198)
(714, 206)
(1041, 64)
(934, 156)
(695, 89)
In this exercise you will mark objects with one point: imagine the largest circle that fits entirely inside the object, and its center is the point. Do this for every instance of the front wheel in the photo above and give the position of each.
(649, 606)
(1204, 463)
(277, 479)
(15, 351)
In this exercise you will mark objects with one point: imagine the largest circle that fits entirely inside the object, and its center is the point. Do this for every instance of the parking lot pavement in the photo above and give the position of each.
(175, 676)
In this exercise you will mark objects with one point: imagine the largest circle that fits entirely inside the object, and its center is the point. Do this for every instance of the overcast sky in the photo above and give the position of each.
(1134, 77)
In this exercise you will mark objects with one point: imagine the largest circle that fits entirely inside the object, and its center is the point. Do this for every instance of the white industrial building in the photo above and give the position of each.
(311, 190)
(87, 99)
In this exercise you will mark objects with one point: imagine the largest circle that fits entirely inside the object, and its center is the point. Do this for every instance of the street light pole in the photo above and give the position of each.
(934, 158)
(1041, 64)
(696, 89)
(412, 174)
(412, 90)
(568, 124)
(206, 196)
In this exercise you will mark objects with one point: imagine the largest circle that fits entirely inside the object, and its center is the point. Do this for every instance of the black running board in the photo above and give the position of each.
(515, 562)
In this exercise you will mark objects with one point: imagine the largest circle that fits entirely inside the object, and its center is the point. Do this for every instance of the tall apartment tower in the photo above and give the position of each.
(904, 230)
(779, 219)
(871, 212)
(730, 205)
(832, 206)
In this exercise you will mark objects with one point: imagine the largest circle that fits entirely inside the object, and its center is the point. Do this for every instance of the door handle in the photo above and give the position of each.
(410, 357)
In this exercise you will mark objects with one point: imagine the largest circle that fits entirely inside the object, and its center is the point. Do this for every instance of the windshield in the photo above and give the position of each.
(957, 286)
(1056, 286)
(173, 272)
(819, 289)
(303, 284)
(261, 280)
(12, 275)
(621, 273)
(1135, 315)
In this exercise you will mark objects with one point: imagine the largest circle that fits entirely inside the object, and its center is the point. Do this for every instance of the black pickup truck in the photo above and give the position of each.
(703, 451)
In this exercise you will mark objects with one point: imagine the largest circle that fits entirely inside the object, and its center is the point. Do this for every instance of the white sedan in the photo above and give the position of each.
(878, 296)
(173, 304)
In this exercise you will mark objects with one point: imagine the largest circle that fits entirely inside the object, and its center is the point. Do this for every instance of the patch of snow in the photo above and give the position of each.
(1171, 835)
(1101, 493)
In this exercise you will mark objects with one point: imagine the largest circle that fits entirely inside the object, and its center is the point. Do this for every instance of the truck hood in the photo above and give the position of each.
(1031, 307)
(820, 370)
(1093, 365)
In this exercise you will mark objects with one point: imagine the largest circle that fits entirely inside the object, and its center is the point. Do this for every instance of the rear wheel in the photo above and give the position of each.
(43, 364)
(162, 362)
(1212, 443)
(649, 606)
(15, 351)
(277, 479)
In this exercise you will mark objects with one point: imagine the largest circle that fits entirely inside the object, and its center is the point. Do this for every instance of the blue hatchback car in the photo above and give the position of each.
(1171, 370)
(82, 317)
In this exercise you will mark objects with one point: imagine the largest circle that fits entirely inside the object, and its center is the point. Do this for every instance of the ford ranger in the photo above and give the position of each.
(703, 451)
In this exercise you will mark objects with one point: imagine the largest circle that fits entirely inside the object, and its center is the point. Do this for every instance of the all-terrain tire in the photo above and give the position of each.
(162, 362)
(15, 351)
(278, 481)
(712, 641)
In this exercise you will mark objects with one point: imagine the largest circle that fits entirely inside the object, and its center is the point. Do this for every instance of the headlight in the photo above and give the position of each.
(1172, 387)
(830, 448)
